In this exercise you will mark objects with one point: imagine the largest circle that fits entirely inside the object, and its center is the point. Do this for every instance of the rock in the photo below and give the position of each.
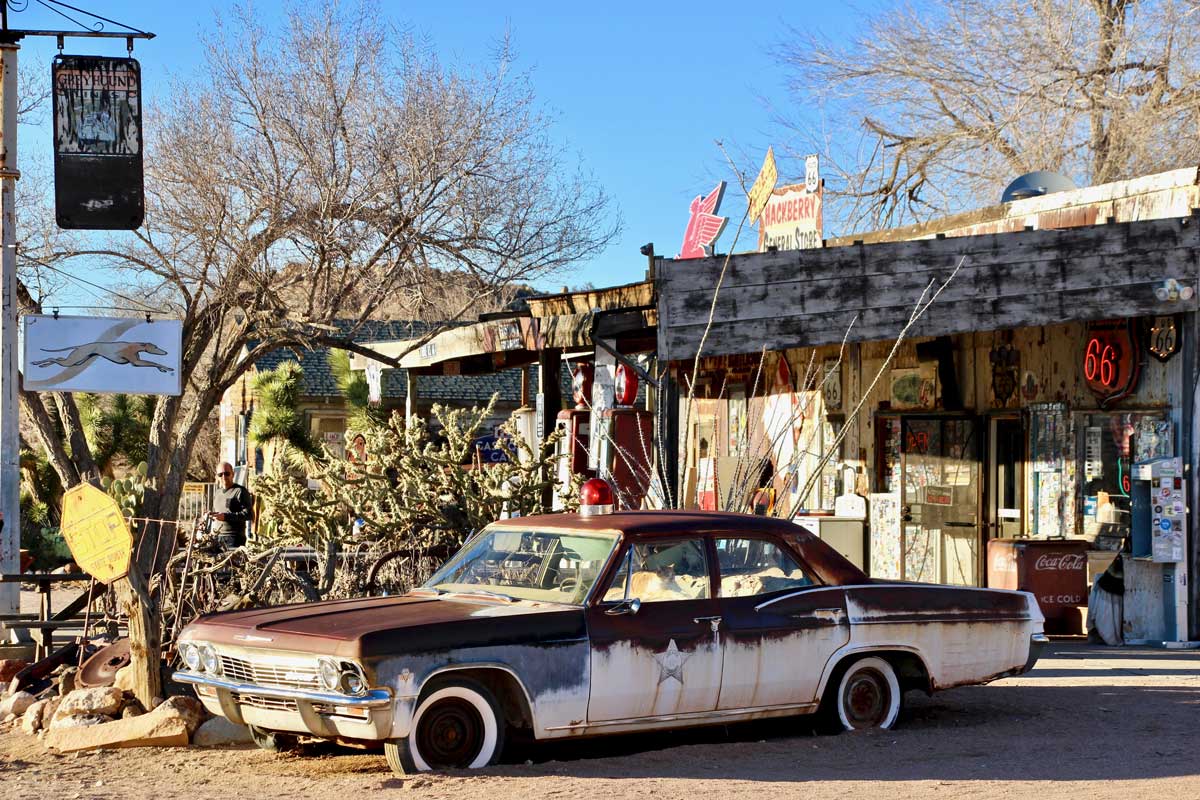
(49, 710)
(219, 731)
(162, 727)
(61, 723)
(187, 709)
(132, 709)
(124, 680)
(66, 682)
(105, 701)
(31, 723)
(9, 667)
(17, 704)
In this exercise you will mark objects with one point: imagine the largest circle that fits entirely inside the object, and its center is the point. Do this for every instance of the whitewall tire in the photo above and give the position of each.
(457, 725)
(868, 695)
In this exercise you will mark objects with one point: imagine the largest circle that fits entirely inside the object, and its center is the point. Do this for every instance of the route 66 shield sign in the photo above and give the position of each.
(1164, 337)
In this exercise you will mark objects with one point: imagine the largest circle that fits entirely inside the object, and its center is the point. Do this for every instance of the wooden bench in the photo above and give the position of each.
(41, 630)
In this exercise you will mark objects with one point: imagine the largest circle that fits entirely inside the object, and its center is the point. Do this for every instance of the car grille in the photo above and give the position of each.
(280, 704)
(267, 703)
(276, 675)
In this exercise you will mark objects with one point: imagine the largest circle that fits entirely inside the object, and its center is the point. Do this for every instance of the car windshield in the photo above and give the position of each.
(554, 566)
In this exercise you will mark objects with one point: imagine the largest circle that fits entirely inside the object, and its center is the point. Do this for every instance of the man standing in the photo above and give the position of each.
(231, 508)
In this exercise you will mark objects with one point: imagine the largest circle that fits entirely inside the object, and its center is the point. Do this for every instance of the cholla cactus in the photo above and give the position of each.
(412, 491)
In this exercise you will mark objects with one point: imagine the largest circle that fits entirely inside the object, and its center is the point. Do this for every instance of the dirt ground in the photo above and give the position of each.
(1088, 722)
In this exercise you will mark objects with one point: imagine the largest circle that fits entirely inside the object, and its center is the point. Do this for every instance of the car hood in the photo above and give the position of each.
(377, 626)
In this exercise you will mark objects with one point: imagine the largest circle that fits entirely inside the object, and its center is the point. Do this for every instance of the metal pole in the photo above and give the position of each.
(10, 473)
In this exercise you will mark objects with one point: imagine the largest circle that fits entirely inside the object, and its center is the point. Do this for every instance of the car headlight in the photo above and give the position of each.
(329, 672)
(208, 658)
(352, 680)
(344, 677)
(190, 655)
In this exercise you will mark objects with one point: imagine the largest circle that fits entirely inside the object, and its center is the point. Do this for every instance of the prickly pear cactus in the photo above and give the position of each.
(130, 491)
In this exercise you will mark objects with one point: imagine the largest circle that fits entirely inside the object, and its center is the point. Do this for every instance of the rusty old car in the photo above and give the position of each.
(576, 625)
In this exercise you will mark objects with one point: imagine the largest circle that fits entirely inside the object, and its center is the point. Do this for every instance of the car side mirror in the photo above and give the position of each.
(629, 606)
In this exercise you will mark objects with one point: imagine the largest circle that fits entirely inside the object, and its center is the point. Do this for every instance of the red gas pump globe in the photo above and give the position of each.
(626, 386)
(581, 386)
(595, 497)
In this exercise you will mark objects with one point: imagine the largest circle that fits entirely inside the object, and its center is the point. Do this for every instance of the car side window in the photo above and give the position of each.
(662, 570)
(752, 566)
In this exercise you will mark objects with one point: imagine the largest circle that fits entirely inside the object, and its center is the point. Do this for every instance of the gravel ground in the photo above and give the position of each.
(1087, 722)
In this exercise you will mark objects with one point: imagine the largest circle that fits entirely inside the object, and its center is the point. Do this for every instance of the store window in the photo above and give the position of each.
(1109, 445)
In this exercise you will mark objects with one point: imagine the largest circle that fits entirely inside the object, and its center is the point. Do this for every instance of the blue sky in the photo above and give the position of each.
(640, 91)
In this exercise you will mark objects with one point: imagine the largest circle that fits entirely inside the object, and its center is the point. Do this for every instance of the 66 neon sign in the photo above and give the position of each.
(1100, 363)
(1110, 359)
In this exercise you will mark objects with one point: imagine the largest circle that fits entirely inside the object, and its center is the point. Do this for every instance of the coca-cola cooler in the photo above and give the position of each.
(1054, 570)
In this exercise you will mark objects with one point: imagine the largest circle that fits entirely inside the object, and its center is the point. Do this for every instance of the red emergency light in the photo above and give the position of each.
(595, 497)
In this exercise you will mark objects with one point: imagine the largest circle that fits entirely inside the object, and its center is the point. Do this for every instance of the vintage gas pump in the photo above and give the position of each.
(1159, 533)
(575, 422)
(627, 453)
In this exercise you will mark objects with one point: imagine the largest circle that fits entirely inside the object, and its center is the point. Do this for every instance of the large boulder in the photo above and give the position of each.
(124, 679)
(63, 723)
(102, 701)
(16, 704)
(31, 723)
(165, 726)
(219, 732)
(188, 709)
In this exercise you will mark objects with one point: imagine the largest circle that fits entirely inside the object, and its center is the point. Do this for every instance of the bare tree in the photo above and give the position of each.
(944, 104)
(311, 173)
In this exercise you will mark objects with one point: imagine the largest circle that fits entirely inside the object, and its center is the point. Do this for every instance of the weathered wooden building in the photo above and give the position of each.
(999, 379)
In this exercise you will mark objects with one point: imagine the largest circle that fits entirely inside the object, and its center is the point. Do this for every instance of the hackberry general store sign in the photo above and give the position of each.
(791, 219)
(97, 142)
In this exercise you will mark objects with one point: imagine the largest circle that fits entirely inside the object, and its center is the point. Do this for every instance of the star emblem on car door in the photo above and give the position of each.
(670, 663)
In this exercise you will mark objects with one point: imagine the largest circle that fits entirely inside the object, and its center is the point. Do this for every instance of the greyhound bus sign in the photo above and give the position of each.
(102, 354)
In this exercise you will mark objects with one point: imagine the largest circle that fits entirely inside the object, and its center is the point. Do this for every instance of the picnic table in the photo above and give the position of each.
(41, 628)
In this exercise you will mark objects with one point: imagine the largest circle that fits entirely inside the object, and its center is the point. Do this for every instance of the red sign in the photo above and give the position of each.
(704, 226)
(1110, 359)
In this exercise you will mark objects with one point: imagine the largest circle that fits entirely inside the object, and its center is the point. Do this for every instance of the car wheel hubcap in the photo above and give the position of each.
(451, 734)
(866, 699)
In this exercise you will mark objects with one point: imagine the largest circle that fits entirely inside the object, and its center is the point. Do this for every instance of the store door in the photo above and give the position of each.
(1006, 478)
(941, 540)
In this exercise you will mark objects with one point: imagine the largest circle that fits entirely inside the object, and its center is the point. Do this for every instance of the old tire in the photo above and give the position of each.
(867, 696)
(457, 725)
(273, 742)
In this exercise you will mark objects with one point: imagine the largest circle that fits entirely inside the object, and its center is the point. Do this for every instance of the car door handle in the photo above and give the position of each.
(714, 625)
(833, 615)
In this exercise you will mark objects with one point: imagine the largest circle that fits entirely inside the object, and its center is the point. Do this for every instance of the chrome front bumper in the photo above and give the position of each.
(323, 714)
(1037, 643)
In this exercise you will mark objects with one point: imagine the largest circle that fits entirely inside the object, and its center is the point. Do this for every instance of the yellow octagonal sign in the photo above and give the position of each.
(97, 533)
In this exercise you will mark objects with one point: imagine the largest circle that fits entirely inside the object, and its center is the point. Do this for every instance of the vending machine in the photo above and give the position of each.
(1159, 534)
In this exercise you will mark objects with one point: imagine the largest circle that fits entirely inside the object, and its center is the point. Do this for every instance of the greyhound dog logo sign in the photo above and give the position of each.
(99, 354)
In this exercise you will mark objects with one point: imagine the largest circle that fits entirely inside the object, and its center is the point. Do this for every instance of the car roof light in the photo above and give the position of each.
(595, 497)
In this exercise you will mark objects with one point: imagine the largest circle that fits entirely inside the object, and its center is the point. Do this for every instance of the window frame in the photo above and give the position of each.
(780, 544)
(623, 551)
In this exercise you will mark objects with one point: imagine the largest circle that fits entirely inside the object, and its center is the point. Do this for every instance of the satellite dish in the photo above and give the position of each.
(1036, 184)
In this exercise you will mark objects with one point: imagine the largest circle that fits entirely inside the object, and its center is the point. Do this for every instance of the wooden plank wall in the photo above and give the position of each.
(806, 298)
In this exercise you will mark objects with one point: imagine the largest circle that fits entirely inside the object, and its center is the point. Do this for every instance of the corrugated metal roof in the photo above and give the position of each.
(320, 382)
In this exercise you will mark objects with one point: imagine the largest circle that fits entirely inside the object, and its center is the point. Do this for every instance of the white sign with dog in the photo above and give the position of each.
(102, 354)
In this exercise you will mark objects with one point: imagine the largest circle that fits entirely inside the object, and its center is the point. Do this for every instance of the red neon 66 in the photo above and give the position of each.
(1100, 363)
